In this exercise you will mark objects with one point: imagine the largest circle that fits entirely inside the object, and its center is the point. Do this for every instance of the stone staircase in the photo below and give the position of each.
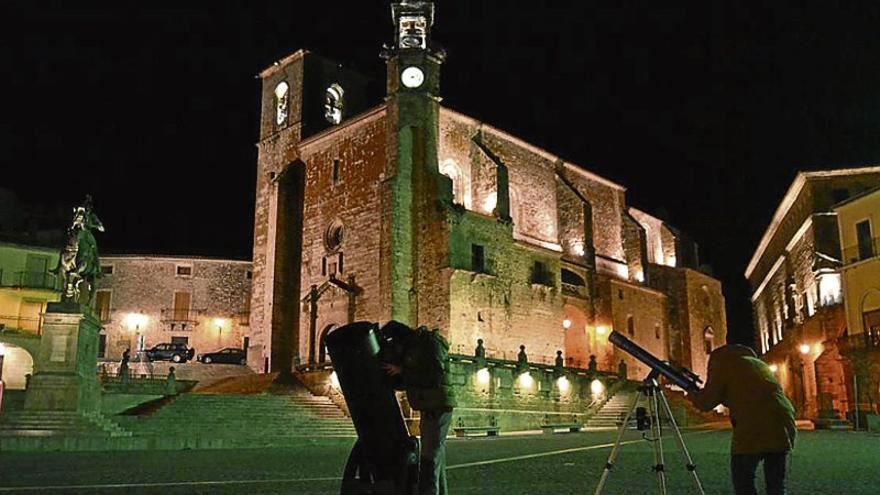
(613, 412)
(58, 424)
(244, 420)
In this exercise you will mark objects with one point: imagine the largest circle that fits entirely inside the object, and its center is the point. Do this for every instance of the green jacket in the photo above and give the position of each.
(762, 417)
(425, 374)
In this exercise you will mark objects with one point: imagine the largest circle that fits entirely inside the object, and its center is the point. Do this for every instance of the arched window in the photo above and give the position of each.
(334, 103)
(708, 340)
(451, 169)
(282, 103)
(630, 326)
(571, 278)
(334, 236)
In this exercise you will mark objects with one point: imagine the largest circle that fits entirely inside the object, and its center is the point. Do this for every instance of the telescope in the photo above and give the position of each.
(682, 377)
(648, 416)
(385, 457)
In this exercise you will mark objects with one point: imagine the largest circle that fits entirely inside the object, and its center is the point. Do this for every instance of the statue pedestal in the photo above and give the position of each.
(65, 371)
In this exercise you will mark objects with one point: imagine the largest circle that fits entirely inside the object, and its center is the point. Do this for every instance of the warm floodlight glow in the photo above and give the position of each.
(483, 376)
(563, 384)
(490, 203)
(774, 368)
(2, 349)
(526, 380)
(220, 322)
(597, 387)
(566, 323)
(804, 348)
(135, 321)
(830, 289)
(601, 330)
(334, 380)
(578, 248)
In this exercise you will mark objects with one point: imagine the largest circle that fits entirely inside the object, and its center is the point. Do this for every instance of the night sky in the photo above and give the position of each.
(704, 113)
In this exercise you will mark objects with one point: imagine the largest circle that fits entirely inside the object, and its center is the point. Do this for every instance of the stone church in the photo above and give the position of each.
(376, 202)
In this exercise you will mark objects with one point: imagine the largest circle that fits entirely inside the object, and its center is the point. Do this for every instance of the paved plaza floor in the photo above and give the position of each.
(823, 463)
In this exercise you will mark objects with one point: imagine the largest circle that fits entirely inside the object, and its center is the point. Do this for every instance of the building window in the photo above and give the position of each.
(478, 258)
(282, 103)
(249, 275)
(180, 340)
(451, 169)
(657, 332)
(334, 236)
(540, 274)
(630, 326)
(571, 278)
(334, 103)
(102, 346)
(107, 269)
(830, 289)
(708, 340)
(335, 172)
(865, 240)
(619, 293)
(183, 270)
(102, 305)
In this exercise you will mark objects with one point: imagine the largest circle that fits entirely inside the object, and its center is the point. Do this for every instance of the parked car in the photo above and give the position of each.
(228, 355)
(177, 353)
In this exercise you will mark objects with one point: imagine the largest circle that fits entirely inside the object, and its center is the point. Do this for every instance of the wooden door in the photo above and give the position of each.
(182, 302)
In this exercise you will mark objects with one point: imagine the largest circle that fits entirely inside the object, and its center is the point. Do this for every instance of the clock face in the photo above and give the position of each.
(412, 77)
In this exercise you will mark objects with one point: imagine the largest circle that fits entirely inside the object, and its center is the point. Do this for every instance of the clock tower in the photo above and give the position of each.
(418, 230)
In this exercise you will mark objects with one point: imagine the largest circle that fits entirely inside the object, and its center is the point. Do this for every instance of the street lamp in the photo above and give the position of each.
(805, 348)
(219, 323)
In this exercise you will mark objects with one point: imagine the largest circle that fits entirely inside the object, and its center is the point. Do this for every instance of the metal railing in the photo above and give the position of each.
(29, 280)
(861, 252)
(176, 315)
(20, 323)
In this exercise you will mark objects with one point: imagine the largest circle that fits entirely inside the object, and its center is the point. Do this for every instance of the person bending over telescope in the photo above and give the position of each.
(421, 362)
(761, 415)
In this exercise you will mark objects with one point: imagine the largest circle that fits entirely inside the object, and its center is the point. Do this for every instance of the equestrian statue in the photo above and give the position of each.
(78, 266)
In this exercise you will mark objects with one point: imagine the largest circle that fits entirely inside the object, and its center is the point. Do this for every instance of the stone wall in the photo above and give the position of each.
(351, 202)
(219, 290)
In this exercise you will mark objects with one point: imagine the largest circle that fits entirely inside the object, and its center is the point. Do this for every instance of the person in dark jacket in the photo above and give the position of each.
(424, 370)
(762, 417)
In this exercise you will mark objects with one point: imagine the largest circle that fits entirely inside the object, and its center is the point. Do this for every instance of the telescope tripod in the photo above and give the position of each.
(650, 420)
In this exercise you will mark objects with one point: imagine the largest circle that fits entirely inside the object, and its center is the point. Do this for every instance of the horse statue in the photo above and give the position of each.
(78, 266)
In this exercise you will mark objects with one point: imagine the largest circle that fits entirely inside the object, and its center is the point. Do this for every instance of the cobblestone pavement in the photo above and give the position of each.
(824, 462)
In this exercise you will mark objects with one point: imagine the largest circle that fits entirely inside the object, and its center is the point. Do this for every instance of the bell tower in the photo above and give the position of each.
(419, 232)
(413, 59)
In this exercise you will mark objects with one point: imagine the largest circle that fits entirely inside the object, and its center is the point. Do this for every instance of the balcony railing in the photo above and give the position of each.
(33, 325)
(176, 315)
(29, 280)
(862, 252)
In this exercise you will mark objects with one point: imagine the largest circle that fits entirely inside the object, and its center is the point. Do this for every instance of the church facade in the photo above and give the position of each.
(375, 202)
